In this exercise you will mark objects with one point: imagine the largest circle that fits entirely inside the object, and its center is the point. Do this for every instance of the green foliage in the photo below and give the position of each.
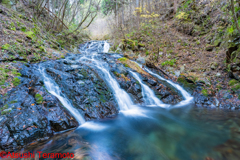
(232, 82)
(39, 98)
(230, 30)
(6, 3)
(147, 53)
(16, 81)
(30, 35)
(182, 15)
(205, 92)
(169, 62)
(6, 46)
(23, 29)
(16, 73)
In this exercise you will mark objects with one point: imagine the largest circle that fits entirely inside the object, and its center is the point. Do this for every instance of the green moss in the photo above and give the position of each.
(16, 73)
(123, 59)
(205, 92)
(126, 65)
(3, 87)
(13, 102)
(182, 80)
(6, 112)
(236, 87)
(169, 62)
(147, 53)
(4, 107)
(84, 73)
(30, 35)
(39, 98)
(42, 48)
(16, 81)
(116, 74)
(6, 46)
(232, 82)
(6, 3)
(102, 98)
(19, 40)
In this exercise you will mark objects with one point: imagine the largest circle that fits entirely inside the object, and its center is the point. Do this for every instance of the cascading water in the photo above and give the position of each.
(188, 98)
(123, 99)
(155, 133)
(54, 89)
(148, 94)
(106, 47)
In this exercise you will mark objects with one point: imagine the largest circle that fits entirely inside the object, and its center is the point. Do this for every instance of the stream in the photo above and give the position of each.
(148, 130)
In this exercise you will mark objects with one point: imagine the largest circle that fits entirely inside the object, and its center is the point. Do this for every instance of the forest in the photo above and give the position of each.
(120, 79)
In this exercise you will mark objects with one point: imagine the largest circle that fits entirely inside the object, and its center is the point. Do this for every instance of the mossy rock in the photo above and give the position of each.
(4, 107)
(6, 46)
(127, 63)
(205, 92)
(84, 73)
(6, 112)
(123, 59)
(236, 87)
(188, 84)
(233, 82)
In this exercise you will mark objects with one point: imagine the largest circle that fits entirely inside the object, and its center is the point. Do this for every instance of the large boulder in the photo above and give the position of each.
(30, 113)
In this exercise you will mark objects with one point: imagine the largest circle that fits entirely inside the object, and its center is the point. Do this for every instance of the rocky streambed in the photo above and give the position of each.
(30, 113)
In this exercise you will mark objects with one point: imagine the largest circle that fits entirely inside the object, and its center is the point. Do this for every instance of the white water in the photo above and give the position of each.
(54, 89)
(123, 99)
(188, 98)
(148, 95)
(106, 47)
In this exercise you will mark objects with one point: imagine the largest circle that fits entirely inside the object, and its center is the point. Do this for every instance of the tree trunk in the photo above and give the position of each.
(138, 14)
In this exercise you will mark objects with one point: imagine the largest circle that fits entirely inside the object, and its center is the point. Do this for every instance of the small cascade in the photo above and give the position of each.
(106, 47)
(54, 89)
(95, 47)
(148, 95)
(123, 99)
(188, 98)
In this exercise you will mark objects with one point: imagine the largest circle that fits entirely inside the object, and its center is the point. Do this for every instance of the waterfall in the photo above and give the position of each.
(123, 99)
(148, 94)
(106, 47)
(188, 98)
(54, 89)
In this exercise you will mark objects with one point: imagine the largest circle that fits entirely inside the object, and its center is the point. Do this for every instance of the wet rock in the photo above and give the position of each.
(86, 90)
(152, 82)
(226, 94)
(187, 83)
(25, 119)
